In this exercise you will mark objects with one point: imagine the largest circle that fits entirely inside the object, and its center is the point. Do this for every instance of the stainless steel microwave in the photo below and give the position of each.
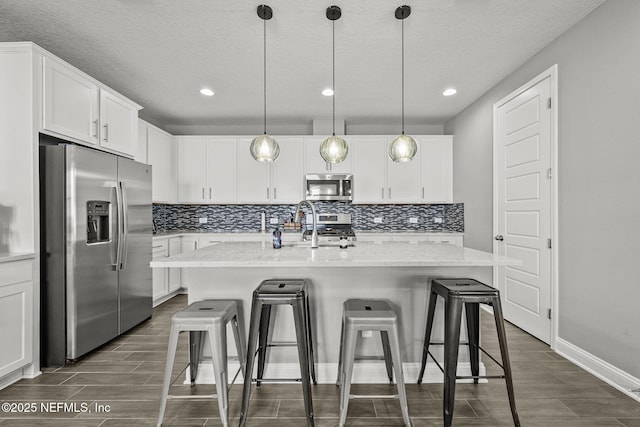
(328, 186)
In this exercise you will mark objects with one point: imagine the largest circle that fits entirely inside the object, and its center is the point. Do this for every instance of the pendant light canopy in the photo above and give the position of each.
(334, 149)
(403, 148)
(263, 147)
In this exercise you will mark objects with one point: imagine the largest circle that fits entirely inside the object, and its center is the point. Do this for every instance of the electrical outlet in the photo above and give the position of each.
(437, 220)
(367, 334)
(377, 220)
(202, 220)
(273, 220)
(413, 220)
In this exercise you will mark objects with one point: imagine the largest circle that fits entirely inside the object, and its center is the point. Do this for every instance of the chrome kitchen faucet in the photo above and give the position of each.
(314, 236)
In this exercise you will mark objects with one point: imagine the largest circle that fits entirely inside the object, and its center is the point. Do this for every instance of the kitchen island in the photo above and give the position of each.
(397, 271)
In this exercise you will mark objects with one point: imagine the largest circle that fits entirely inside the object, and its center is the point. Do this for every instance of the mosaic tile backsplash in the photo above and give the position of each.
(246, 218)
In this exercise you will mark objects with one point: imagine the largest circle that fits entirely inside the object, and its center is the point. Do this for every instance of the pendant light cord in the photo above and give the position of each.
(264, 83)
(333, 54)
(402, 75)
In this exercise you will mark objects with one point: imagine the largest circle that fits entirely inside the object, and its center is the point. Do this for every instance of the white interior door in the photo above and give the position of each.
(523, 227)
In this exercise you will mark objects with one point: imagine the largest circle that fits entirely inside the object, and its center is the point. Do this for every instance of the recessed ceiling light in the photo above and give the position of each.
(207, 92)
(449, 92)
(327, 92)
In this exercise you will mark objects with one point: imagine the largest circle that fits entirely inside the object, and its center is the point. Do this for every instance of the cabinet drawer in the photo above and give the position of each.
(15, 272)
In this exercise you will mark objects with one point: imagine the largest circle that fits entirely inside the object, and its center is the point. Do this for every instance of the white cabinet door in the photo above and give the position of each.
(403, 181)
(369, 165)
(314, 163)
(160, 276)
(16, 315)
(70, 104)
(254, 184)
(141, 151)
(210, 240)
(162, 156)
(287, 173)
(188, 244)
(222, 170)
(436, 169)
(118, 124)
(192, 173)
(174, 281)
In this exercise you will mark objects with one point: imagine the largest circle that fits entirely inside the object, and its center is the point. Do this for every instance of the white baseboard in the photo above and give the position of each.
(608, 373)
(11, 378)
(326, 373)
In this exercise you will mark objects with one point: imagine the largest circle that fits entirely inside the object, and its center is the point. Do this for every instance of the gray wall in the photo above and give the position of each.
(598, 178)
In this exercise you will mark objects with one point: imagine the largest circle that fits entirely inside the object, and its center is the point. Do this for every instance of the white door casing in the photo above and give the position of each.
(524, 205)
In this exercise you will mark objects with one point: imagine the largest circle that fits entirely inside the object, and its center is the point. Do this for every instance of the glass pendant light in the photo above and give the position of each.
(403, 148)
(263, 147)
(334, 149)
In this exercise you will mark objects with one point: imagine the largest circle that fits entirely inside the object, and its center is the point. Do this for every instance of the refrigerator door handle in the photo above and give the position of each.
(125, 225)
(119, 234)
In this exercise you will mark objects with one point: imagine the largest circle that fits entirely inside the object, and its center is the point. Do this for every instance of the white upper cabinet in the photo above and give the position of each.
(78, 108)
(254, 183)
(162, 156)
(287, 173)
(425, 179)
(403, 179)
(118, 124)
(141, 152)
(314, 163)
(436, 169)
(222, 170)
(277, 182)
(207, 169)
(70, 102)
(369, 169)
(192, 169)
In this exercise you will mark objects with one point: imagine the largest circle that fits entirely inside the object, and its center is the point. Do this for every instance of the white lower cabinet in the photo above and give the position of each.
(16, 315)
(165, 280)
(174, 273)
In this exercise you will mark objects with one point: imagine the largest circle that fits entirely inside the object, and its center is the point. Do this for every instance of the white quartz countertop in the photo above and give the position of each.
(363, 254)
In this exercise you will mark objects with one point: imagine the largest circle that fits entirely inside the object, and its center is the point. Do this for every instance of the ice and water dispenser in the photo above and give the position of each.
(98, 220)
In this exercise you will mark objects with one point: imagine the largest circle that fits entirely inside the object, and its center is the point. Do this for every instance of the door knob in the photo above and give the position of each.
(499, 237)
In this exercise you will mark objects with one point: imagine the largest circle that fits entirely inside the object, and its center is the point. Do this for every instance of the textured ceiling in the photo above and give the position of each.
(161, 52)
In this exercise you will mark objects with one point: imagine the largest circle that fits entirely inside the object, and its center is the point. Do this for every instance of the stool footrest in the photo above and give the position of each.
(192, 396)
(276, 380)
(369, 358)
(475, 377)
(374, 396)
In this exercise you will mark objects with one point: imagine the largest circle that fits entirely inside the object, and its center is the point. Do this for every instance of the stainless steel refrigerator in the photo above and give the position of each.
(96, 231)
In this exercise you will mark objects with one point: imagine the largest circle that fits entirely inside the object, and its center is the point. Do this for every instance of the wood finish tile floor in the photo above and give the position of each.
(124, 379)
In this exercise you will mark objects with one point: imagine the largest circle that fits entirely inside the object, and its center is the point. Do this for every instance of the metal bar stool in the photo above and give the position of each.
(471, 293)
(291, 292)
(369, 315)
(200, 318)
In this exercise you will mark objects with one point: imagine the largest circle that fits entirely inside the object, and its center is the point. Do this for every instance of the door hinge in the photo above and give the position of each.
(549, 173)
(549, 103)
(549, 314)
(549, 243)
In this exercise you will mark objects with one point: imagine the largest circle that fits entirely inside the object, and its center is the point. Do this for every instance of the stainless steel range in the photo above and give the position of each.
(331, 227)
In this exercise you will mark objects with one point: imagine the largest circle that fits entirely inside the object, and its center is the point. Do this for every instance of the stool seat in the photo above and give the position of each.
(370, 315)
(469, 293)
(272, 292)
(206, 312)
(199, 318)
